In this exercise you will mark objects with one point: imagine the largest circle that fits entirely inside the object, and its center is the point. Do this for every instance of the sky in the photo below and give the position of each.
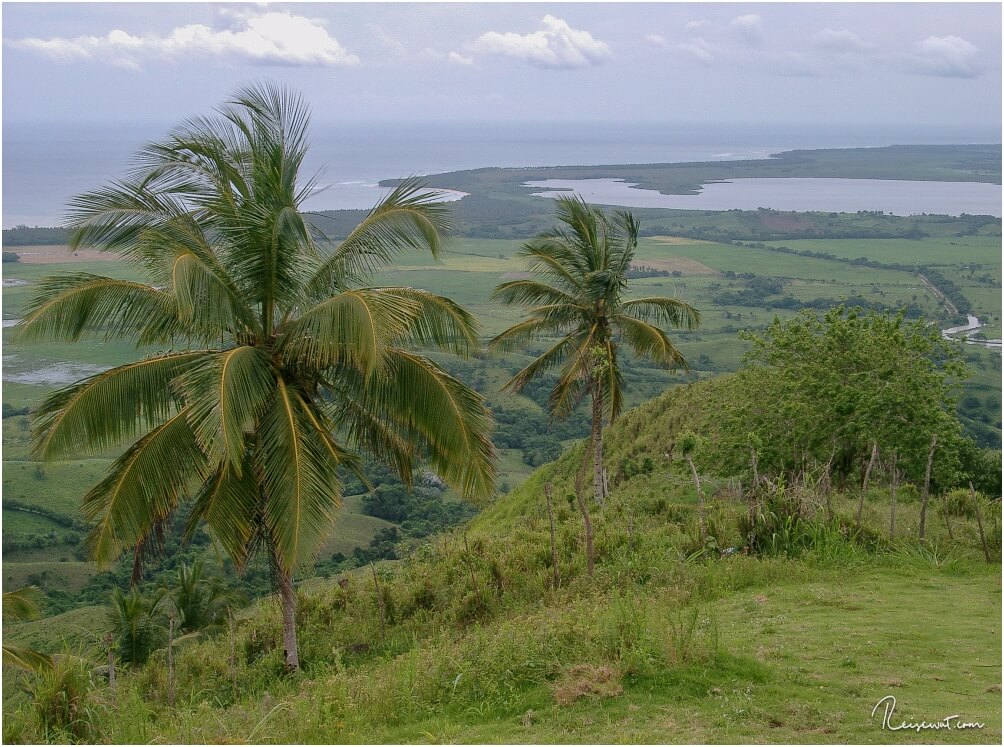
(872, 63)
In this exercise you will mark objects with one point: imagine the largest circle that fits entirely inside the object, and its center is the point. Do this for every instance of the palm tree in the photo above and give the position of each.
(578, 295)
(198, 600)
(137, 626)
(281, 362)
(22, 604)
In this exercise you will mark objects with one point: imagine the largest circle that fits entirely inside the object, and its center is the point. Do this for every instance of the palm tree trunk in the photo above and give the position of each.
(287, 600)
(597, 443)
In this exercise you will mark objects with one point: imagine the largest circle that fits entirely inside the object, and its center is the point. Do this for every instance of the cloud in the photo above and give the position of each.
(842, 41)
(555, 45)
(696, 25)
(749, 28)
(270, 38)
(699, 49)
(459, 59)
(944, 56)
(656, 41)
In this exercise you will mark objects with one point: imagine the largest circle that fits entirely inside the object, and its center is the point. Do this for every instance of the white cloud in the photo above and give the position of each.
(699, 49)
(749, 28)
(656, 40)
(945, 56)
(270, 38)
(555, 45)
(459, 59)
(696, 25)
(842, 41)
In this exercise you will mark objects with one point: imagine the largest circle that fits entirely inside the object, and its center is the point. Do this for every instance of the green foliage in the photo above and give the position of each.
(818, 390)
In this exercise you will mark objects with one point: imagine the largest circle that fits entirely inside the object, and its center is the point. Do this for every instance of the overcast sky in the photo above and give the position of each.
(795, 63)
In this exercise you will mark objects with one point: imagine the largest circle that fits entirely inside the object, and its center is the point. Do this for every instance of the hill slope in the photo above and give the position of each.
(472, 640)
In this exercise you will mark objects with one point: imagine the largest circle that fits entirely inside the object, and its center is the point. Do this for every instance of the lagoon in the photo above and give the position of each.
(898, 197)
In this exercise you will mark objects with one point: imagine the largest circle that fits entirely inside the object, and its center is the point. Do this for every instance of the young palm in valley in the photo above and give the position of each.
(280, 362)
(578, 295)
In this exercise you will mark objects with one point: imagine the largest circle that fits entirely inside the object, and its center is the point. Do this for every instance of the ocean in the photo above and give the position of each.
(44, 164)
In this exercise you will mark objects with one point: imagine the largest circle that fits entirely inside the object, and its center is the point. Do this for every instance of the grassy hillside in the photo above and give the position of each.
(666, 642)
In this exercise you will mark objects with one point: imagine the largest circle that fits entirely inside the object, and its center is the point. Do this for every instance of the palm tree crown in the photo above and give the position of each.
(283, 363)
(578, 295)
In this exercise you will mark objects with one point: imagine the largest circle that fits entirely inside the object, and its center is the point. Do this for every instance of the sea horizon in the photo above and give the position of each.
(46, 163)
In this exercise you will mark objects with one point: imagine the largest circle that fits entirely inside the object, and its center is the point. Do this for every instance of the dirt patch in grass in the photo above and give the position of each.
(587, 681)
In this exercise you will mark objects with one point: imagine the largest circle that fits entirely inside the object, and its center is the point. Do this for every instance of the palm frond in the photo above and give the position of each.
(451, 421)
(672, 311)
(353, 327)
(553, 258)
(362, 426)
(439, 321)
(226, 393)
(65, 307)
(22, 604)
(649, 341)
(573, 384)
(409, 218)
(207, 302)
(299, 474)
(229, 503)
(533, 292)
(109, 407)
(545, 362)
(143, 488)
(25, 658)
(519, 334)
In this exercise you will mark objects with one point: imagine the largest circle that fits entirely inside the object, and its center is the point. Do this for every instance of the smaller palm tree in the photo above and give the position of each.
(22, 604)
(198, 601)
(578, 295)
(137, 625)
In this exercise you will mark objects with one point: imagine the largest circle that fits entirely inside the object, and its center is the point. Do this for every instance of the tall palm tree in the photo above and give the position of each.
(281, 362)
(578, 294)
